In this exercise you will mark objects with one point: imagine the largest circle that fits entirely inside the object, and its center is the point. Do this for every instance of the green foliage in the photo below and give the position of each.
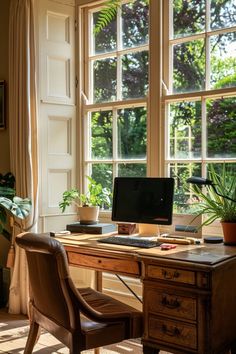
(7, 180)
(213, 206)
(9, 202)
(7, 192)
(106, 15)
(17, 207)
(96, 196)
(189, 75)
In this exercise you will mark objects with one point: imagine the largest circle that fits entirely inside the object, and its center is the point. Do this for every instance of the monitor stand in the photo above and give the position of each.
(148, 230)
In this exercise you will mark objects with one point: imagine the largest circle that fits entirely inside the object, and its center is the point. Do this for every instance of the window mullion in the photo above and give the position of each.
(204, 130)
(208, 15)
(119, 61)
(207, 44)
(91, 81)
(119, 78)
(115, 142)
(167, 132)
(87, 134)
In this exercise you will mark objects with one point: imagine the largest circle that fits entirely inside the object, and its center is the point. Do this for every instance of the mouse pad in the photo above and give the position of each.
(201, 255)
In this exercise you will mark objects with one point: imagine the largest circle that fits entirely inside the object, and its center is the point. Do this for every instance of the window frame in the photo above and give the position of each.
(170, 97)
(85, 95)
(159, 95)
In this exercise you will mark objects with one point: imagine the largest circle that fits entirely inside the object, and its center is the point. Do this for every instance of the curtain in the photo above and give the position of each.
(23, 134)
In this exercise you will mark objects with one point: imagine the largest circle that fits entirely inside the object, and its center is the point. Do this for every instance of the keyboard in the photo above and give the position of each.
(134, 241)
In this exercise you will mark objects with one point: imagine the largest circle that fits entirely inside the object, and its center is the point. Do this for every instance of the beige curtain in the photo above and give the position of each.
(23, 133)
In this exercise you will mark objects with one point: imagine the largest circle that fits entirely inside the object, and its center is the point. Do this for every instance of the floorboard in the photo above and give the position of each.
(14, 330)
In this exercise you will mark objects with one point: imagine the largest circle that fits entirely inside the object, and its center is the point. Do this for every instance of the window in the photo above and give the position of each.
(116, 87)
(201, 102)
(160, 85)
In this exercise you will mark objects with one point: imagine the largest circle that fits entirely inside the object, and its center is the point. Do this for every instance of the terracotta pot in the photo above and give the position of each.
(229, 232)
(88, 215)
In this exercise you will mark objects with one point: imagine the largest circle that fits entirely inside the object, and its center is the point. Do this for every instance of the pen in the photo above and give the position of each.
(173, 236)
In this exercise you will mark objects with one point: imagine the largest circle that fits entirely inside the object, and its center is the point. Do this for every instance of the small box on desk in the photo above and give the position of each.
(126, 228)
(91, 229)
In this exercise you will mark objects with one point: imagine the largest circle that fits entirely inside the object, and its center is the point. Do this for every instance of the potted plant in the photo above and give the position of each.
(10, 203)
(218, 202)
(89, 203)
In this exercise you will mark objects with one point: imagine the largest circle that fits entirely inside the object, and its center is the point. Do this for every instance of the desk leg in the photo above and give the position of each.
(150, 350)
(98, 287)
(98, 281)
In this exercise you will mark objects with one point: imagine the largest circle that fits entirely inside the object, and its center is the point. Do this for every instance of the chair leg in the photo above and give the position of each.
(34, 333)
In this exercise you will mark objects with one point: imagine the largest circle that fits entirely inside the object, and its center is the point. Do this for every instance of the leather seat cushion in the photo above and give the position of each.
(106, 304)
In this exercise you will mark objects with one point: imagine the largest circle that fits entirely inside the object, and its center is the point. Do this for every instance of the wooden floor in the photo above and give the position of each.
(14, 331)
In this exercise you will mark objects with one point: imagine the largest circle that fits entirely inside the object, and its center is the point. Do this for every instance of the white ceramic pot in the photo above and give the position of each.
(88, 215)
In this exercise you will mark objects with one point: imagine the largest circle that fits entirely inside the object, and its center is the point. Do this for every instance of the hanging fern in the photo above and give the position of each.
(106, 15)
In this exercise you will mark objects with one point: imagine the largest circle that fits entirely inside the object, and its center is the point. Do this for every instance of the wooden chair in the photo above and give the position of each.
(81, 319)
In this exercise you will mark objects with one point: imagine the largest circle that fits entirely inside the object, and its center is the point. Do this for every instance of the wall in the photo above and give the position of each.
(4, 134)
(4, 143)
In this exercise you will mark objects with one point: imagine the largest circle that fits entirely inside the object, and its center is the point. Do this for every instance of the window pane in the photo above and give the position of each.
(189, 66)
(221, 125)
(102, 135)
(230, 168)
(132, 170)
(105, 40)
(185, 130)
(104, 80)
(132, 135)
(223, 13)
(102, 173)
(183, 197)
(189, 17)
(135, 75)
(135, 23)
(223, 60)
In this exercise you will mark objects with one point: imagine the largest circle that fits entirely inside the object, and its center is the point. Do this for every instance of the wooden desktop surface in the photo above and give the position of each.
(189, 293)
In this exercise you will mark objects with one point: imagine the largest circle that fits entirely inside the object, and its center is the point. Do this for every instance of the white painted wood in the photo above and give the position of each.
(58, 27)
(58, 78)
(59, 136)
(64, 2)
(57, 53)
(57, 110)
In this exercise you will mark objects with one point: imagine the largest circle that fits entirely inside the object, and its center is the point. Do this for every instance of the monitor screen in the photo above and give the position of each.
(147, 200)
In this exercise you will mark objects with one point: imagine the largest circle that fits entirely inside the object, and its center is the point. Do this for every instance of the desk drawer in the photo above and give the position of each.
(170, 304)
(172, 332)
(119, 266)
(171, 274)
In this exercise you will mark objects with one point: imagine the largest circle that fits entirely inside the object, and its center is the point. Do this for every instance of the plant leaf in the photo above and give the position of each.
(106, 15)
(18, 207)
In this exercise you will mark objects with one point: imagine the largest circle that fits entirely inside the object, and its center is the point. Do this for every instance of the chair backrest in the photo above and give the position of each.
(49, 279)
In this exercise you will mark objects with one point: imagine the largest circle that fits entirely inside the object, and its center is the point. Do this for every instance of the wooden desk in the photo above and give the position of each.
(189, 293)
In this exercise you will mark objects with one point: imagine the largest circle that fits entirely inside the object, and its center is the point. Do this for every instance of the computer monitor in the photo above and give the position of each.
(147, 200)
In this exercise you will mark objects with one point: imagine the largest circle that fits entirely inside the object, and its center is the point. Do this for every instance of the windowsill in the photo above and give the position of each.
(213, 229)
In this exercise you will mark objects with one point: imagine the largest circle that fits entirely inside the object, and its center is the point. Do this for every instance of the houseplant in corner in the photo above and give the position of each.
(89, 203)
(219, 202)
(10, 203)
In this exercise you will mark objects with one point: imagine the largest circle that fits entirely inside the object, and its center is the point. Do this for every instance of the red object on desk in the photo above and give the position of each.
(167, 246)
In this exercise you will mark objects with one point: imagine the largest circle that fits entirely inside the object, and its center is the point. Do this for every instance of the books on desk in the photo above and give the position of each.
(100, 228)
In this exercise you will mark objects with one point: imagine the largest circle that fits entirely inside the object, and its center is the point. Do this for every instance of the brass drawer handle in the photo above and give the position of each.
(170, 275)
(172, 332)
(171, 304)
